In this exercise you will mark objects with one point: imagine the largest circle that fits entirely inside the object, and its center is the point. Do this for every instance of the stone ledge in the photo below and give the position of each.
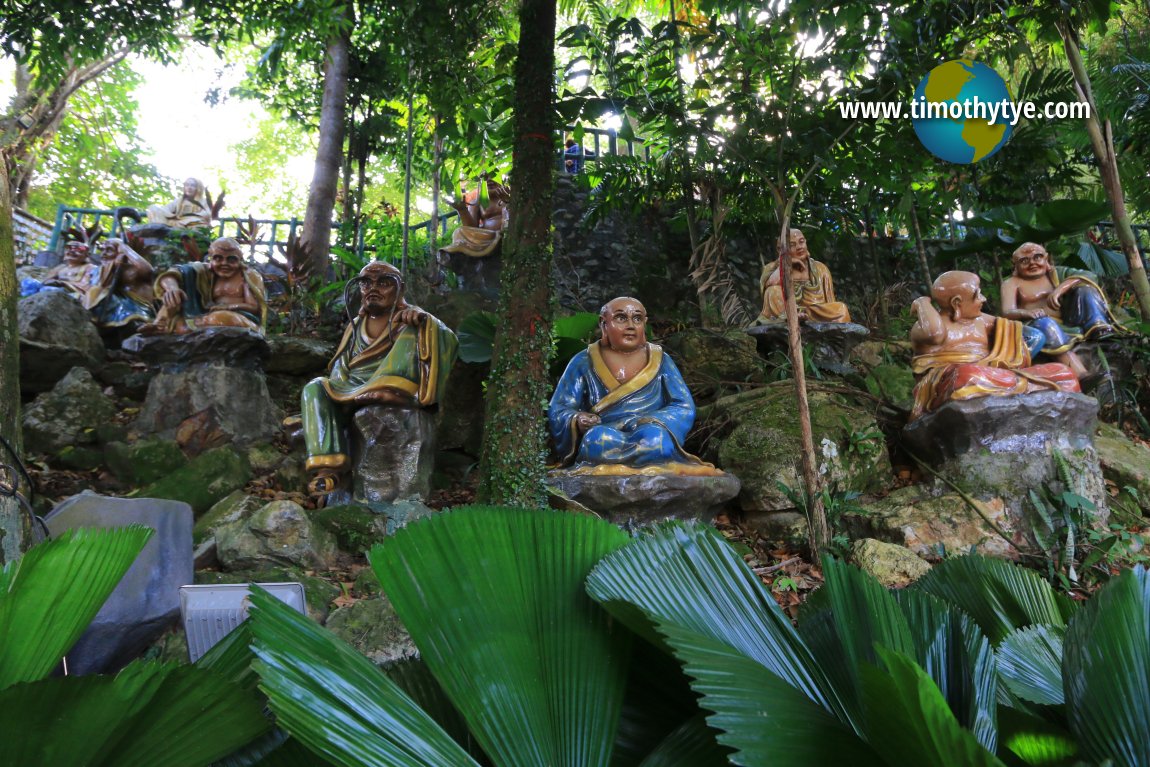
(229, 347)
(831, 343)
(647, 498)
(1024, 423)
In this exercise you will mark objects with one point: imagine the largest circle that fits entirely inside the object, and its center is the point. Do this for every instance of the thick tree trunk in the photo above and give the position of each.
(1102, 142)
(315, 241)
(14, 533)
(514, 440)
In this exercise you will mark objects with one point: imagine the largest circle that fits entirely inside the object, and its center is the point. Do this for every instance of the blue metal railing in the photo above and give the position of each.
(596, 143)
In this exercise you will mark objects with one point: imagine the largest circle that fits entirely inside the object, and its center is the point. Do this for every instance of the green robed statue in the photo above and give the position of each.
(392, 353)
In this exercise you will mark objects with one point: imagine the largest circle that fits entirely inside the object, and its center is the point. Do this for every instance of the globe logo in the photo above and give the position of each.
(962, 111)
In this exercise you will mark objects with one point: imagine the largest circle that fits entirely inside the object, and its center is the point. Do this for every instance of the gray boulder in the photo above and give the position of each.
(205, 406)
(1124, 462)
(147, 601)
(372, 627)
(291, 355)
(891, 565)
(67, 415)
(56, 335)
(232, 347)
(936, 526)
(643, 498)
(280, 533)
(756, 438)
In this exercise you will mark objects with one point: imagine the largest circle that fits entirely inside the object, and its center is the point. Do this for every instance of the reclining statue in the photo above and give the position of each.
(961, 353)
(190, 210)
(223, 292)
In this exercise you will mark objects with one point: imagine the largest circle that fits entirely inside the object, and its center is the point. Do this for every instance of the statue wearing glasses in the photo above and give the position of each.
(392, 353)
(622, 406)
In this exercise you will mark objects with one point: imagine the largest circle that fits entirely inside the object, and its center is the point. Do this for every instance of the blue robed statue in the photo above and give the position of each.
(622, 403)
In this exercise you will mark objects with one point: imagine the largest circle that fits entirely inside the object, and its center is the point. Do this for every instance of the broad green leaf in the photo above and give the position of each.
(998, 595)
(670, 577)
(146, 715)
(50, 595)
(335, 701)
(1106, 671)
(691, 743)
(658, 699)
(909, 722)
(1030, 664)
(958, 658)
(1033, 740)
(415, 679)
(493, 598)
(764, 718)
(477, 337)
(865, 613)
(577, 326)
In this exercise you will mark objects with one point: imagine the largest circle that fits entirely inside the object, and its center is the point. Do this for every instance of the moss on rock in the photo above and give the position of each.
(143, 462)
(760, 444)
(204, 480)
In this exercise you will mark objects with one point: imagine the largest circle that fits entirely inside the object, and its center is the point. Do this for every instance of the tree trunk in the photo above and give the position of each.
(919, 246)
(817, 528)
(515, 437)
(1102, 142)
(14, 532)
(315, 242)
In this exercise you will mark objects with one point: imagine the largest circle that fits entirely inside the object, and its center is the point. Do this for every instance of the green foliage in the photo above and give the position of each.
(570, 335)
(95, 159)
(147, 714)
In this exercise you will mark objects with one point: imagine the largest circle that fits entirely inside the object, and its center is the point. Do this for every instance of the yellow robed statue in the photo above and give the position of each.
(811, 281)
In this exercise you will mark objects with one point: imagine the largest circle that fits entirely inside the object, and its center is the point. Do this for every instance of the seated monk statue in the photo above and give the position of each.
(123, 291)
(1044, 297)
(392, 353)
(76, 274)
(955, 358)
(621, 405)
(480, 225)
(811, 281)
(223, 292)
(184, 212)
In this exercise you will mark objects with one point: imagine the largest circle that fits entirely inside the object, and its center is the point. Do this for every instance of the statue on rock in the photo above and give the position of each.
(811, 281)
(483, 215)
(223, 292)
(622, 405)
(1044, 297)
(75, 274)
(123, 291)
(190, 210)
(391, 354)
(956, 358)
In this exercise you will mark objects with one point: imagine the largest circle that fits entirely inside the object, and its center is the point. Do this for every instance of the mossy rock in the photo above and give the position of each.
(757, 439)
(892, 382)
(708, 357)
(933, 526)
(355, 528)
(143, 462)
(233, 507)
(205, 480)
(372, 627)
(264, 457)
(1124, 462)
(317, 592)
(891, 565)
(80, 458)
(366, 583)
